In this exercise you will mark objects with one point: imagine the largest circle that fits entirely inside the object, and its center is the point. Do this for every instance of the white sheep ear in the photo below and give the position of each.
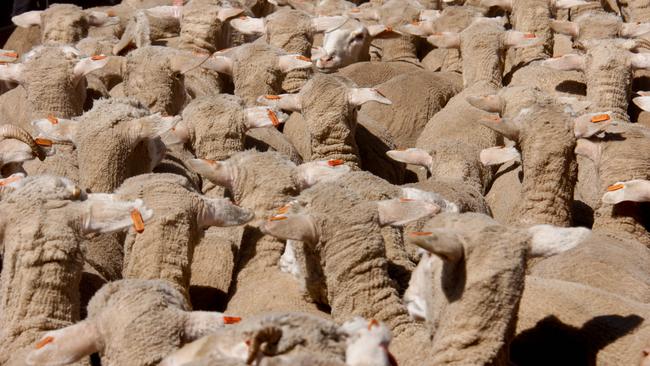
(288, 63)
(413, 156)
(220, 173)
(588, 149)
(248, 25)
(499, 155)
(27, 19)
(183, 62)
(220, 63)
(401, 211)
(492, 103)
(89, 64)
(516, 39)
(565, 27)
(291, 227)
(592, 124)
(227, 13)
(221, 212)
(548, 240)
(13, 181)
(99, 18)
(57, 129)
(359, 96)
(287, 102)
(642, 102)
(429, 15)
(8, 56)
(258, 117)
(503, 4)
(327, 24)
(446, 244)
(105, 214)
(631, 30)
(179, 134)
(640, 60)
(364, 13)
(12, 72)
(505, 127)
(201, 323)
(152, 126)
(377, 29)
(445, 39)
(66, 345)
(567, 62)
(166, 11)
(419, 28)
(308, 174)
(568, 4)
(637, 190)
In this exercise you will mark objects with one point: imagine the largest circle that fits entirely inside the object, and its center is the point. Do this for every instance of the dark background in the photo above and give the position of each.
(6, 6)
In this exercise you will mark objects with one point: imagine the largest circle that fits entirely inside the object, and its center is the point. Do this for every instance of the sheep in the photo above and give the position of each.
(263, 181)
(53, 83)
(164, 249)
(63, 23)
(330, 124)
(343, 230)
(477, 264)
(130, 322)
(45, 218)
(149, 25)
(16, 147)
(266, 339)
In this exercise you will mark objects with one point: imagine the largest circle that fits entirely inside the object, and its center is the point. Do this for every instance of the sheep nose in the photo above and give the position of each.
(327, 58)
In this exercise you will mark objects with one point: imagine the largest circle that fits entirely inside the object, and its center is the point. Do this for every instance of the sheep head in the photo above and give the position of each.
(18, 146)
(367, 343)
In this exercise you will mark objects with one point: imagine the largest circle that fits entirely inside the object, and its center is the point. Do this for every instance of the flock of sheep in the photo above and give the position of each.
(299, 182)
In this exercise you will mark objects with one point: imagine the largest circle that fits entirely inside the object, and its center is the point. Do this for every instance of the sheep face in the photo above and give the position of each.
(342, 47)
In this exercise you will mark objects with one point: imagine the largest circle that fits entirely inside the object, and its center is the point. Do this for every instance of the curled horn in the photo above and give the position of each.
(267, 335)
(15, 132)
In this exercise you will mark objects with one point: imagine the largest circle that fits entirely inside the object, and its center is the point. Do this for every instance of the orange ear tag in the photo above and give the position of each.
(600, 118)
(282, 210)
(406, 200)
(372, 323)
(272, 97)
(335, 162)
(615, 187)
(43, 142)
(44, 342)
(10, 54)
(277, 218)
(274, 119)
(303, 58)
(231, 319)
(53, 120)
(420, 233)
(530, 35)
(138, 223)
(98, 57)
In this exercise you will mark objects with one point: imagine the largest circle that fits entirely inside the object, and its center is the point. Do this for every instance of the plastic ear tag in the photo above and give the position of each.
(335, 162)
(600, 118)
(44, 342)
(138, 223)
(615, 187)
(43, 142)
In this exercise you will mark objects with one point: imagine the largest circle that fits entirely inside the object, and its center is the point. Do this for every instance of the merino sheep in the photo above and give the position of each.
(45, 218)
(263, 182)
(130, 322)
(52, 80)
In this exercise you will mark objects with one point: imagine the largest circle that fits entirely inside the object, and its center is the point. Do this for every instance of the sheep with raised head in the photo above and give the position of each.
(45, 219)
(130, 322)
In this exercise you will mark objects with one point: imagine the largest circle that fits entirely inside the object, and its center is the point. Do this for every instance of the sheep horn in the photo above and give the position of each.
(15, 132)
(266, 335)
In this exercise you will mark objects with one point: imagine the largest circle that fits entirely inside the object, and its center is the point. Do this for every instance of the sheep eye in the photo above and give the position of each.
(357, 38)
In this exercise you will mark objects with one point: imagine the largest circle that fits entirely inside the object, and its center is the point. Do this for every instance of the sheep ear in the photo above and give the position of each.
(99, 18)
(364, 13)
(13, 181)
(200, 323)
(490, 103)
(89, 64)
(588, 149)
(227, 13)
(27, 19)
(413, 156)
(287, 102)
(567, 62)
(631, 30)
(220, 173)
(503, 4)
(66, 345)
(152, 126)
(179, 134)
(359, 96)
(221, 212)
(8, 56)
(591, 124)
(516, 39)
(57, 129)
(640, 60)
(327, 24)
(257, 117)
(548, 240)
(642, 102)
(401, 211)
(291, 227)
(248, 25)
(505, 127)
(565, 27)
(419, 28)
(12, 72)
(105, 214)
(429, 15)
(377, 30)
(499, 155)
(220, 63)
(637, 190)
(288, 63)
(446, 244)
(567, 4)
(166, 11)
(445, 39)
(308, 174)
(183, 62)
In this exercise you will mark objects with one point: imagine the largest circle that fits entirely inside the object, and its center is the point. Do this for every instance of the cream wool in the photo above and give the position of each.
(255, 72)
